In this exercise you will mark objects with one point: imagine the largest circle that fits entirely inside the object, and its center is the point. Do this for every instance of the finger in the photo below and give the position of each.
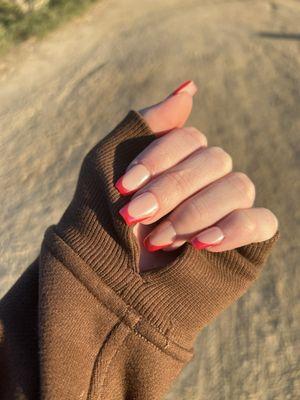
(164, 193)
(239, 228)
(205, 208)
(159, 156)
(175, 245)
(173, 111)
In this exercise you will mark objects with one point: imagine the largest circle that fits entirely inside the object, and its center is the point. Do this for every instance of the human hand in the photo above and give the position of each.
(193, 190)
(185, 191)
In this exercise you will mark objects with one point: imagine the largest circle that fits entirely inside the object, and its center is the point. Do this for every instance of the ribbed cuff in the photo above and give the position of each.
(177, 300)
(92, 224)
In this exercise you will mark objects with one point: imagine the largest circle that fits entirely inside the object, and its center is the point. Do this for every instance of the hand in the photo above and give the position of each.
(184, 190)
(180, 189)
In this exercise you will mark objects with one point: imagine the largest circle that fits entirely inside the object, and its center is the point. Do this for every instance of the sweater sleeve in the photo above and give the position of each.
(83, 322)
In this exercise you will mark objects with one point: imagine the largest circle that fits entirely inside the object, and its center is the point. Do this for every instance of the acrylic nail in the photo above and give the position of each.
(140, 208)
(208, 238)
(162, 237)
(187, 86)
(133, 179)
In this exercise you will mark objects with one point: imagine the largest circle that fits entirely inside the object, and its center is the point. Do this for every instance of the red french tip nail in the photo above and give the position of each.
(120, 188)
(124, 214)
(129, 220)
(201, 245)
(184, 84)
(151, 247)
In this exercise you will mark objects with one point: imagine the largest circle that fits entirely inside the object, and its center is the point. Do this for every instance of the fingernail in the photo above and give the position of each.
(188, 87)
(133, 179)
(163, 237)
(209, 237)
(141, 207)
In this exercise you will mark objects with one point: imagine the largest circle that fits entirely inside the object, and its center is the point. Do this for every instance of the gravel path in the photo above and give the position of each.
(60, 95)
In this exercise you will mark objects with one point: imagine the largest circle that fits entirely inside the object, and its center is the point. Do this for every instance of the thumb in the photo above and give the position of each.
(173, 111)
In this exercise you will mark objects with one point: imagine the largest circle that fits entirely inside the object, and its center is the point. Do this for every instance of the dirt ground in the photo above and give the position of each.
(59, 96)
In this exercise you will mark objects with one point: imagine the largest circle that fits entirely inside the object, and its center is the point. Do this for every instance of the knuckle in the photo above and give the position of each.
(195, 135)
(197, 208)
(221, 157)
(244, 185)
(178, 181)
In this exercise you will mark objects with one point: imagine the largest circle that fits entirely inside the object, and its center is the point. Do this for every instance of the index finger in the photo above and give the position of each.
(162, 154)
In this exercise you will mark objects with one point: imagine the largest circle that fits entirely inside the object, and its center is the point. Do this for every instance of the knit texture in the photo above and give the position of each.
(184, 296)
(83, 323)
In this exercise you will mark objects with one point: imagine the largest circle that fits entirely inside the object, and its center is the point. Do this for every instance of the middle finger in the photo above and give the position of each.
(165, 192)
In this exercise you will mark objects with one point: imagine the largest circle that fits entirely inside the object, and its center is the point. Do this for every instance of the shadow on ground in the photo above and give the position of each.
(53, 109)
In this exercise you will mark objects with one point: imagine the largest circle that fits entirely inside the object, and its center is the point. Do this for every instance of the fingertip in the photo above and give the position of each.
(175, 245)
(271, 223)
(208, 238)
(173, 111)
(188, 87)
(120, 188)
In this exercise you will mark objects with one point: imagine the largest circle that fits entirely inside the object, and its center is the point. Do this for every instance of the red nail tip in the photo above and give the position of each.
(184, 84)
(129, 220)
(120, 188)
(126, 216)
(201, 245)
(151, 247)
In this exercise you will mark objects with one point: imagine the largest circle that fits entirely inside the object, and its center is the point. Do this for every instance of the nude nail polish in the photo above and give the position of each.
(208, 238)
(140, 208)
(161, 237)
(133, 179)
(187, 86)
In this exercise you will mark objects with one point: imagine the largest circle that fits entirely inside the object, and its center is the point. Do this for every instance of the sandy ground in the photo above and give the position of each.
(59, 96)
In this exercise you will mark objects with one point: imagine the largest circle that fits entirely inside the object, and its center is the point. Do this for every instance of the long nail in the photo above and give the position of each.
(208, 238)
(140, 208)
(161, 237)
(133, 179)
(187, 86)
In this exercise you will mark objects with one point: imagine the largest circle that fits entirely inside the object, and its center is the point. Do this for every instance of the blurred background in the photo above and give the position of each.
(70, 70)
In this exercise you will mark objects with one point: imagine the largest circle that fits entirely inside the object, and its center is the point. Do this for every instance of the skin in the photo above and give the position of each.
(195, 188)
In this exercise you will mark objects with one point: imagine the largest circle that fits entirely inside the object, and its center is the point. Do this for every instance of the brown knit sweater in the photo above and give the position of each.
(83, 323)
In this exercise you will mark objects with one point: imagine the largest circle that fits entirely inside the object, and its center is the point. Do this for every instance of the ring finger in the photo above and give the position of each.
(203, 210)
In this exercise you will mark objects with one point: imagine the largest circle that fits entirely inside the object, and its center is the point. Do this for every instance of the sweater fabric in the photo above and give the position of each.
(83, 322)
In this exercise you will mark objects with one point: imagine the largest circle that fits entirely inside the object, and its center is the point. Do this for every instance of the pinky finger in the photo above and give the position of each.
(237, 229)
